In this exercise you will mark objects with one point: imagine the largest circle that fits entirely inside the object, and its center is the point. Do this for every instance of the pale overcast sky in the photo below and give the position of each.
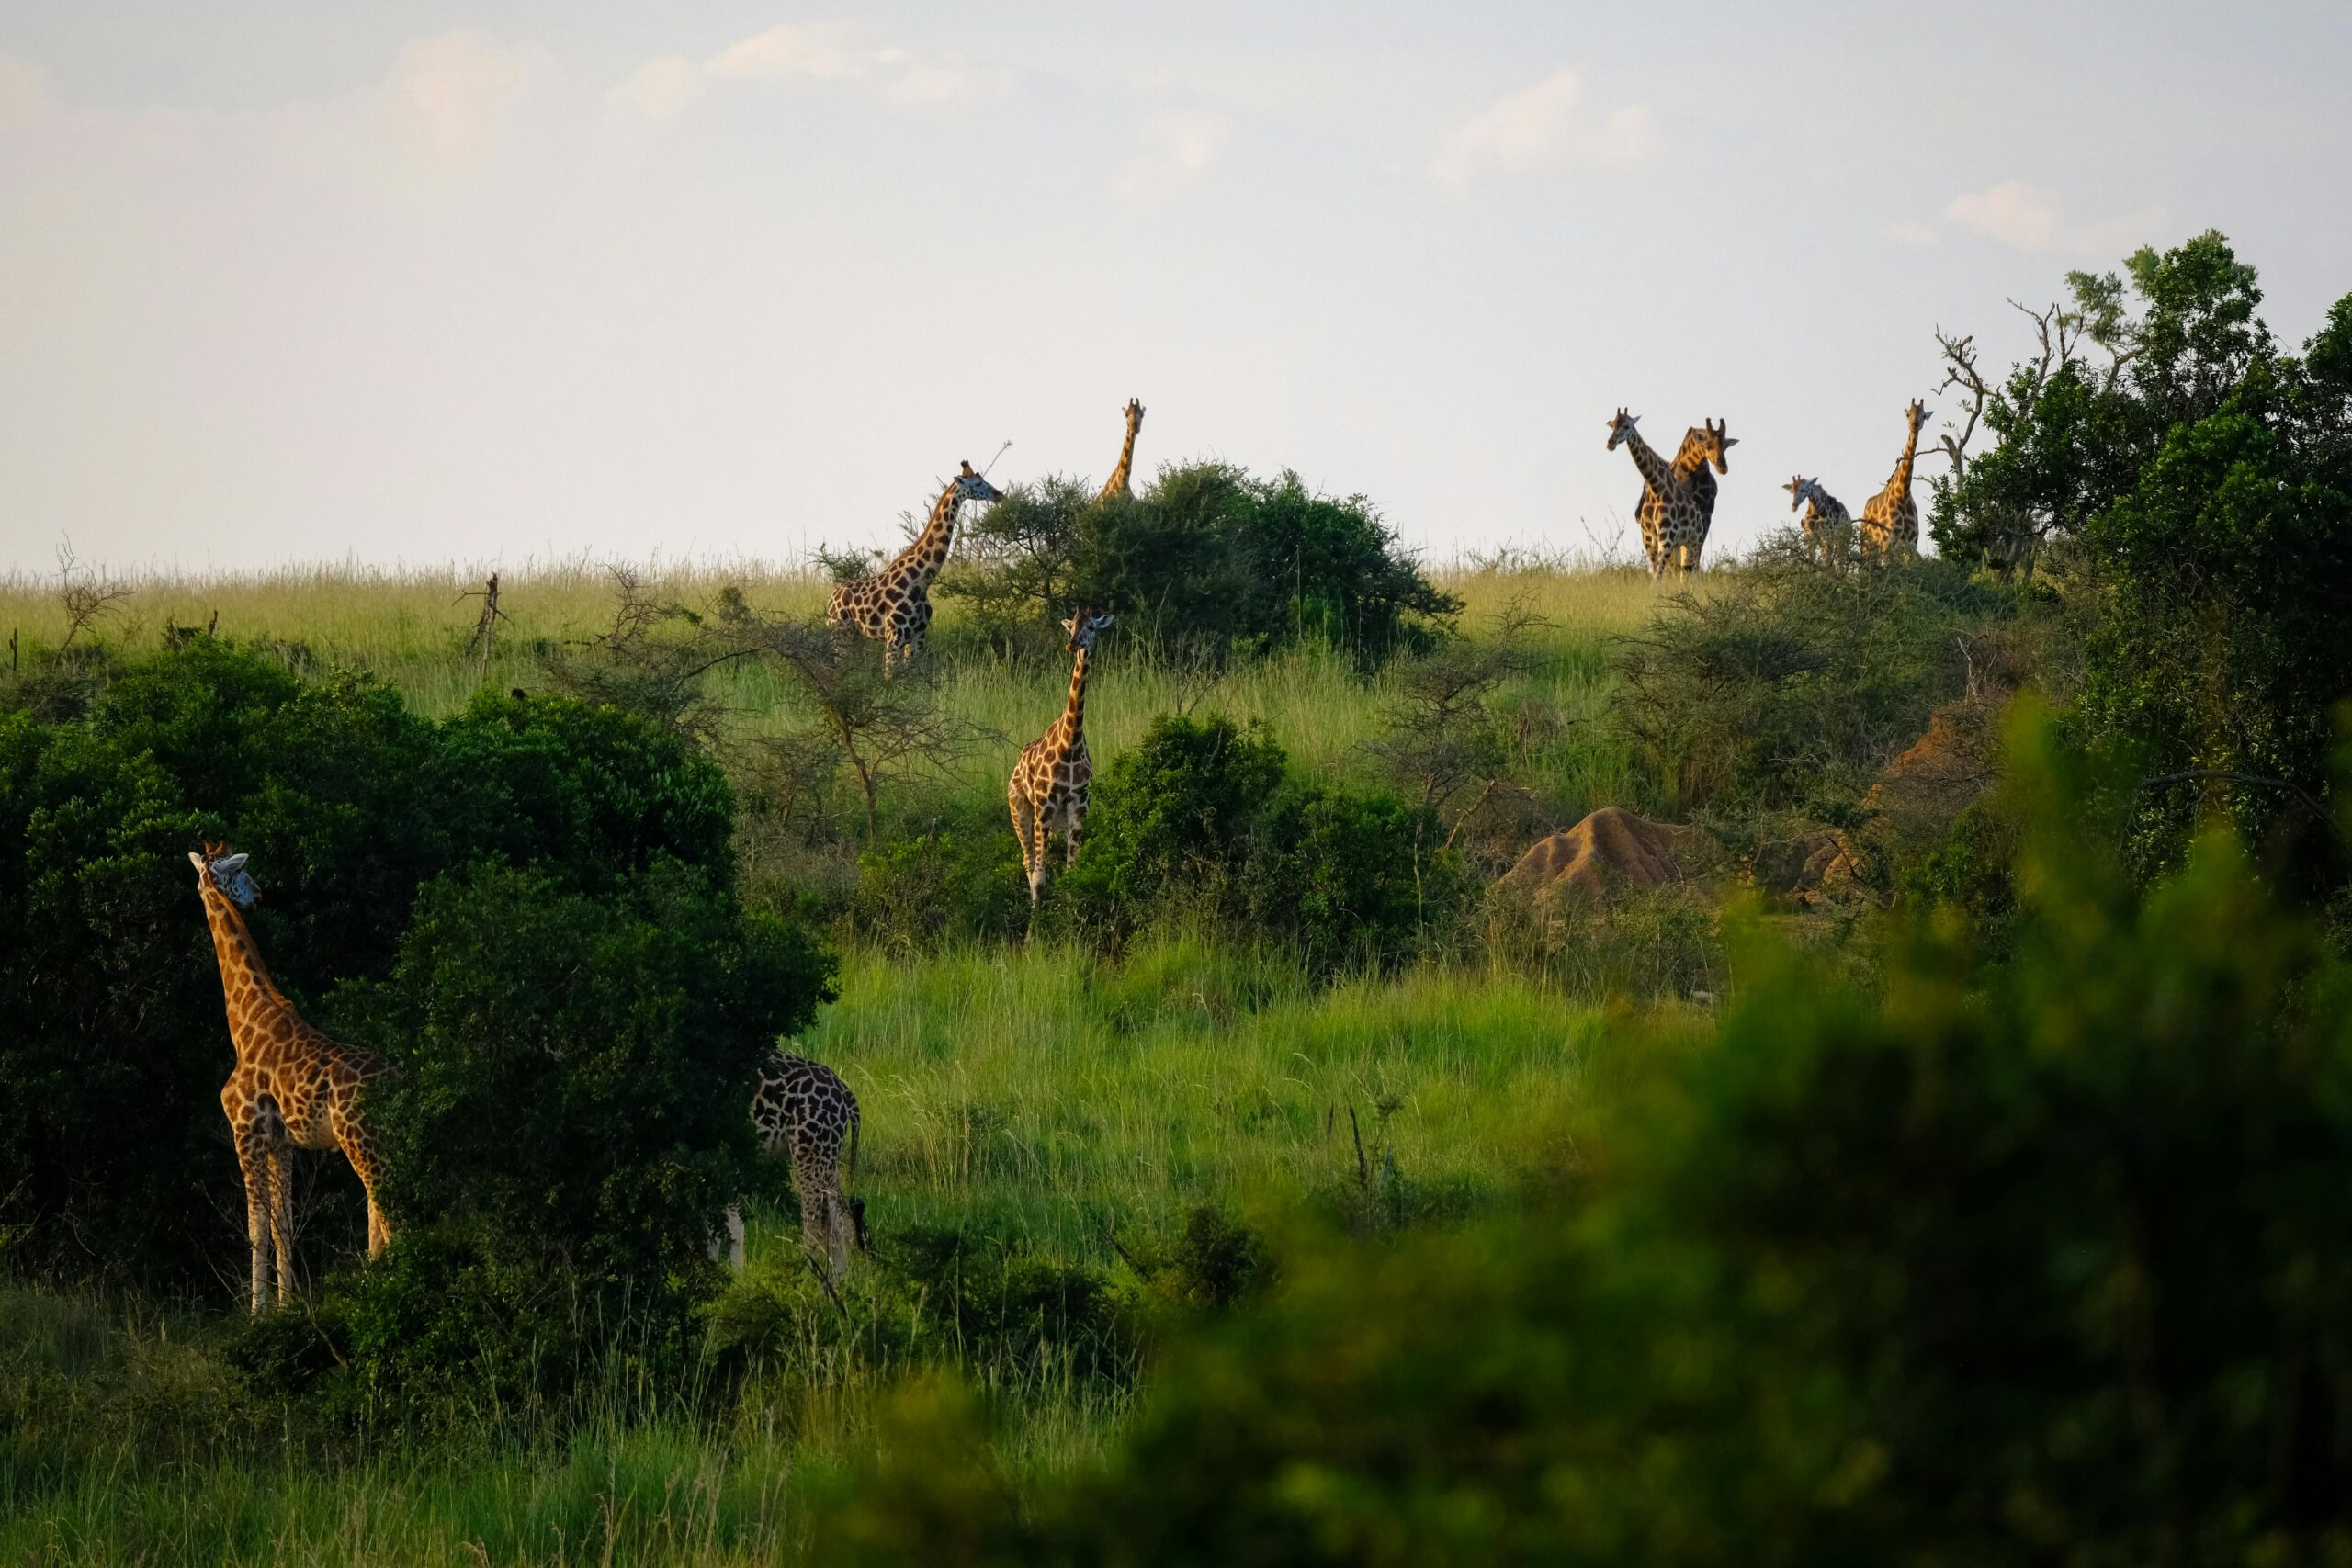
(505, 279)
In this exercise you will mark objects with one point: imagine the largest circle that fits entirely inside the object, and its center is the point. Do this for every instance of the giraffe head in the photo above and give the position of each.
(1801, 489)
(218, 869)
(970, 486)
(1915, 414)
(1135, 416)
(1714, 441)
(1622, 428)
(1081, 627)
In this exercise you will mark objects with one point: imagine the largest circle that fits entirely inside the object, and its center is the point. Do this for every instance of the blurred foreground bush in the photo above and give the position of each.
(2039, 1262)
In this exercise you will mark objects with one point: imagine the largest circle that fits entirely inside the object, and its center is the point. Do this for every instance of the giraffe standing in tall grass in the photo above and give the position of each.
(893, 606)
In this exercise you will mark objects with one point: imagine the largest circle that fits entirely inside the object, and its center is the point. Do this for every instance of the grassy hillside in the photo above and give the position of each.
(1056, 1103)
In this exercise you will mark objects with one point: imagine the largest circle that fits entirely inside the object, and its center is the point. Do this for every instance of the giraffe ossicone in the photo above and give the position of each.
(1050, 782)
(292, 1088)
(893, 606)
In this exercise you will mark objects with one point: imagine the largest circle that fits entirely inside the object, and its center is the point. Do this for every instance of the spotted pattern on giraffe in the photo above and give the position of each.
(1677, 500)
(893, 606)
(292, 1087)
(1891, 518)
(1047, 792)
(1825, 523)
(1117, 486)
(804, 1111)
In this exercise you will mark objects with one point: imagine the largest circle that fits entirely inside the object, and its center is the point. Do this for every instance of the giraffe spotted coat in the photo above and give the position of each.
(893, 606)
(1117, 486)
(1049, 784)
(292, 1087)
(1826, 524)
(805, 1112)
(1677, 500)
(1891, 518)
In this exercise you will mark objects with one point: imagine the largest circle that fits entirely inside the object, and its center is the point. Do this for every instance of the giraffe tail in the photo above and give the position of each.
(849, 1165)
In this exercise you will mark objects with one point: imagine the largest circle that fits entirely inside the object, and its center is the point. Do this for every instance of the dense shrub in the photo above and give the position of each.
(2197, 491)
(942, 886)
(1200, 824)
(113, 1045)
(1204, 561)
(2044, 1263)
(575, 1073)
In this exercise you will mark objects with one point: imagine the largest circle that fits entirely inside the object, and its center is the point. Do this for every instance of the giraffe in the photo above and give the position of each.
(894, 605)
(1049, 783)
(804, 1111)
(1116, 486)
(1673, 518)
(1891, 518)
(293, 1088)
(1826, 523)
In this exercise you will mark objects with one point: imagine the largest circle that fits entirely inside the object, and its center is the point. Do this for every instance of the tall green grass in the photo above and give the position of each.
(412, 627)
(1038, 1096)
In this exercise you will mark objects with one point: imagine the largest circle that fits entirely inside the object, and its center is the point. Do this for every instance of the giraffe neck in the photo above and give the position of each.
(1074, 711)
(1691, 458)
(1117, 484)
(1900, 484)
(920, 561)
(246, 984)
(1654, 468)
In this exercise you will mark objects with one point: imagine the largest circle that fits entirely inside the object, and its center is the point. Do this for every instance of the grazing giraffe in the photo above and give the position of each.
(1891, 518)
(293, 1088)
(1049, 783)
(1672, 518)
(1116, 486)
(894, 605)
(804, 1111)
(1826, 523)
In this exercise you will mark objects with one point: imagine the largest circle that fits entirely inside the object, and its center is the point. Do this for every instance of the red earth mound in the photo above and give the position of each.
(1612, 847)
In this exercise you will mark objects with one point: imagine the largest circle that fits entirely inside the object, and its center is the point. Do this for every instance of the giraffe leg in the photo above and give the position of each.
(1073, 828)
(253, 1163)
(1023, 815)
(1041, 829)
(816, 1207)
(734, 1239)
(361, 1150)
(281, 1218)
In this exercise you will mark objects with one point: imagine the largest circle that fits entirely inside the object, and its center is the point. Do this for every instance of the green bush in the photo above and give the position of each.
(113, 1044)
(943, 885)
(1206, 559)
(2043, 1262)
(2197, 491)
(1200, 823)
(575, 1072)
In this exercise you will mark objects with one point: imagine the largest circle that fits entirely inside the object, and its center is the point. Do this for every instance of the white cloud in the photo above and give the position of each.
(1545, 126)
(24, 91)
(1913, 233)
(659, 88)
(451, 92)
(2022, 217)
(1180, 149)
(2031, 218)
(851, 54)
